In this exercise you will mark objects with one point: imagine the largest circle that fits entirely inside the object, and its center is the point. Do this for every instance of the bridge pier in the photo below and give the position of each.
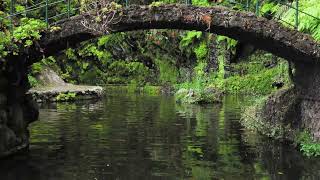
(276, 116)
(17, 110)
(293, 109)
(307, 82)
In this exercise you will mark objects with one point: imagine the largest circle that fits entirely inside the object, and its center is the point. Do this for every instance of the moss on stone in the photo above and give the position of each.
(273, 115)
(306, 144)
(198, 96)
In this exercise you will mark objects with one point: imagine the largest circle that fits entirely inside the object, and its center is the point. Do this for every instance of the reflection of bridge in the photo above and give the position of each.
(265, 34)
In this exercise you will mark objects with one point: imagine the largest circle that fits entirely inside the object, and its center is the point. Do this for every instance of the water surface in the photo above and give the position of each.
(151, 137)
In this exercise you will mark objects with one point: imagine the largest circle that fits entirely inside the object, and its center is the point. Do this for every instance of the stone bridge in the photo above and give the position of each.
(17, 110)
(264, 34)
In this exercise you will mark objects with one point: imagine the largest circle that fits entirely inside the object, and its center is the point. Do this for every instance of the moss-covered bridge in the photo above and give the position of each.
(264, 34)
(17, 110)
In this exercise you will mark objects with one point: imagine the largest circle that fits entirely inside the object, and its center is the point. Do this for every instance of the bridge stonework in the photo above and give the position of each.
(17, 110)
(264, 34)
(307, 83)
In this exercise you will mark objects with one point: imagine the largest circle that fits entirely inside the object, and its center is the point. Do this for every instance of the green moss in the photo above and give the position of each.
(189, 38)
(252, 118)
(221, 71)
(255, 83)
(156, 4)
(70, 96)
(231, 43)
(32, 81)
(252, 77)
(151, 90)
(168, 73)
(198, 96)
(200, 2)
(307, 145)
(133, 88)
(201, 51)
(122, 72)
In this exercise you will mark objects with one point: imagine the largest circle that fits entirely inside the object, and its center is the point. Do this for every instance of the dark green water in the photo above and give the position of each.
(145, 137)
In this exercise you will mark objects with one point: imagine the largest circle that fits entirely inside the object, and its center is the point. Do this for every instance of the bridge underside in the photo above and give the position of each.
(307, 82)
(17, 110)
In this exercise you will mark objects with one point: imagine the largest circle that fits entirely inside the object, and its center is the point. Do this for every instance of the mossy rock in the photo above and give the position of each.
(198, 96)
(273, 115)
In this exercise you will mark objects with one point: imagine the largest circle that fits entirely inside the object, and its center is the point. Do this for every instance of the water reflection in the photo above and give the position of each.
(144, 137)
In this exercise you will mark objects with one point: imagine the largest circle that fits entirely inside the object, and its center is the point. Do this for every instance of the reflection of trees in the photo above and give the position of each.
(213, 150)
(230, 147)
(145, 137)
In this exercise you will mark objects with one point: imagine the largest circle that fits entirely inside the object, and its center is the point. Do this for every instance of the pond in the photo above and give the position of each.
(151, 137)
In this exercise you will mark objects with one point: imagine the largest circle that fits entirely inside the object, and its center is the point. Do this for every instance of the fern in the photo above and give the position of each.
(307, 23)
(189, 38)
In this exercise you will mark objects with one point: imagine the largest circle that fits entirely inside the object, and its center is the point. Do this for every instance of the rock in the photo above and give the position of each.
(276, 116)
(182, 91)
(191, 93)
(51, 94)
(55, 89)
(191, 96)
(48, 77)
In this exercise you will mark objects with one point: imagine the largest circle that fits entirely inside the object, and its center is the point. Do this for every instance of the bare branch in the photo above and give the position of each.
(99, 15)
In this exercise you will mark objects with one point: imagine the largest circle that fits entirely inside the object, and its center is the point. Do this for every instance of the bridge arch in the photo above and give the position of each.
(262, 33)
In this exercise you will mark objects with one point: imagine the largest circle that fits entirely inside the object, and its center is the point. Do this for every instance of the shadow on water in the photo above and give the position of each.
(151, 137)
